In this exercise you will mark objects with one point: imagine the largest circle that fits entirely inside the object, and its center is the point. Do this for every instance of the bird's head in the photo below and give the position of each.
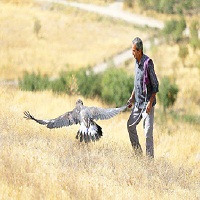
(79, 102)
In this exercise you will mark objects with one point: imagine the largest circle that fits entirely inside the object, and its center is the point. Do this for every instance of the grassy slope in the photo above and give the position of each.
(68, 37)
(38, 163)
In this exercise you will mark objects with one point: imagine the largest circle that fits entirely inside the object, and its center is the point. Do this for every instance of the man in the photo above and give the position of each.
(144, 98)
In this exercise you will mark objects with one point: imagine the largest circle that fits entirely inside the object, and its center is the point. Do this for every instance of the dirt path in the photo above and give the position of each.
(115, 11)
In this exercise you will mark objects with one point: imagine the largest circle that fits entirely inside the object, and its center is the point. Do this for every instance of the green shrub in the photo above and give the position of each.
(34, 82)
(88, 83)
(194, 39)
(113, 86)
(169, 6)
(116, 86)
(173, 30)
(66, 83)
(183, 53)
(166, 6)
(168, 92)
(169, 27)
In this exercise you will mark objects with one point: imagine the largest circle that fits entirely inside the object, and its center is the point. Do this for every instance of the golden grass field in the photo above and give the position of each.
(38, 163)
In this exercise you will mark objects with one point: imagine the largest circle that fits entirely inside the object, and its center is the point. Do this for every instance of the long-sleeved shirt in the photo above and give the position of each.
(141, 98)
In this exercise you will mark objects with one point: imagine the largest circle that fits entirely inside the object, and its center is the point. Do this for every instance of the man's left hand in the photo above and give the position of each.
(148, 107)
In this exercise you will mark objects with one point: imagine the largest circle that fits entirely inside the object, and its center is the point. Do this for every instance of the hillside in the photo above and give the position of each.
(66, 38)
(39, 163)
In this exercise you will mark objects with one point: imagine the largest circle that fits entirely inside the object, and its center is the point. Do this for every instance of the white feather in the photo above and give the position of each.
(83, 128)
(92, 130)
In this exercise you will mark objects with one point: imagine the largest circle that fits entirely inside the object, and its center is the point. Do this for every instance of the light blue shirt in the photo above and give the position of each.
(152, 87)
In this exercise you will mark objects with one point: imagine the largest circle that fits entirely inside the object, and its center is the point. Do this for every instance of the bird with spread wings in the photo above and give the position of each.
(83, 115)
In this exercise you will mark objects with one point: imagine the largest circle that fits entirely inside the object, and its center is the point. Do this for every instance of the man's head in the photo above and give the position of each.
(137, 48)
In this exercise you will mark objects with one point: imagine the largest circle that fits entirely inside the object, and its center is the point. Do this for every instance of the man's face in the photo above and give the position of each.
(136, 53)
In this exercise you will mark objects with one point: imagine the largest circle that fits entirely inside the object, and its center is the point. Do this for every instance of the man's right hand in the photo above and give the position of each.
(129, 103)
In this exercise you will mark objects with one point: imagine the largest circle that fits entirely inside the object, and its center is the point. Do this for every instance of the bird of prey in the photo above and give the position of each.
(83, 115)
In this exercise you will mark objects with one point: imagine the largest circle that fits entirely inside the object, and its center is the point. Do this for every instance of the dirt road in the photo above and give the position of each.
(114, 10)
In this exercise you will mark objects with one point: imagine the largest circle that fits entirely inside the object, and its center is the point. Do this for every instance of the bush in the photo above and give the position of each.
(169, 27)
(34, 82)
(166, 6)
(173, 30)
(183, 53)
(194, 39)
(116, 86)
(88, 83)
(170, 6)
(168, 92)
(66, 83)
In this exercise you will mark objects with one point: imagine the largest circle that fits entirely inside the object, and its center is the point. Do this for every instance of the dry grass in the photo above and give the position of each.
(18, 2)
(68, 37)
(38, 163)
(187, 78)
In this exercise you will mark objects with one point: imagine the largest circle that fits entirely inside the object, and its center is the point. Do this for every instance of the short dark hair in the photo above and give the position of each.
(139, 44)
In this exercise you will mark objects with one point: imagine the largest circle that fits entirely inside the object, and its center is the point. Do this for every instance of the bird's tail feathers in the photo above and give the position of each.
(93, 133)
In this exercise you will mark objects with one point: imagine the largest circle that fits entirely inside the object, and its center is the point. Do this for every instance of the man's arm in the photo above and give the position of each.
(155, 85)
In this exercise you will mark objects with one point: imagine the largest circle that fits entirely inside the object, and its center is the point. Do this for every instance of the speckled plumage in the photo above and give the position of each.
(83, 115)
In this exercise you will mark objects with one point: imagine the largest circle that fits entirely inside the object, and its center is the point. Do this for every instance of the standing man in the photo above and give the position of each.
(144, 99)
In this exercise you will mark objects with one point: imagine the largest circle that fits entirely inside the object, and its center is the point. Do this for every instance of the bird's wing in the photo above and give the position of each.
(105, 113)
(67, 119)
